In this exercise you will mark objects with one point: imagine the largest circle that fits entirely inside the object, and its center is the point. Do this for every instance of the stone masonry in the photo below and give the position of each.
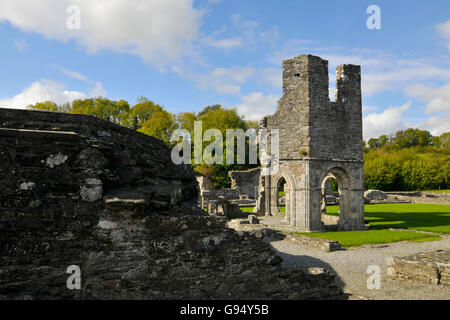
(318, 139)
(428, 267)
(76, 190)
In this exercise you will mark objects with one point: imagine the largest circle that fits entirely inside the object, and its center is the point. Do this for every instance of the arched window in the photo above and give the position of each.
(281, 195)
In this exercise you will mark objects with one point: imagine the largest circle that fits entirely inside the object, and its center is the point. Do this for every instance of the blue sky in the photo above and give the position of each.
(188, 54)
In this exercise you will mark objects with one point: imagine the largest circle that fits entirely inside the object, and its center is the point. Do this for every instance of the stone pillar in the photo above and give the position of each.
(267, 196)
(351, 204)
(287, 217)
(315, 204)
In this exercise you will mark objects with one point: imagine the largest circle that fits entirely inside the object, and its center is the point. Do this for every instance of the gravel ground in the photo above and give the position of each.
(351, 265)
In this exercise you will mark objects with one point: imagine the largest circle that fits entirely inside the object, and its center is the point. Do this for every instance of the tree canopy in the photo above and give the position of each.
(410, 159)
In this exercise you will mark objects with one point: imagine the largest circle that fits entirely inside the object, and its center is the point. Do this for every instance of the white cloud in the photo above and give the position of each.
(436, 125)
(438, 99)
(21, 44)
(98, 91)
(272, 76)
(444, 30)
(370, 88)
(369, 108)
(386, 122)
(438, 102)
(380, 70)
(44, 90)
(228, 43)
(160, 31)
(224, 80)
(255, 106)
(71, 74)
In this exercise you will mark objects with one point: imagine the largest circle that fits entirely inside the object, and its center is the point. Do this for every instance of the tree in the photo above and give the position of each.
(160, 125)
(142, 112)
(186, 121)
(444, 140)
(115, 111)
(216, 117)
(222, 119)
(209, 108)
(382, 174)
(378, 142)
(412, 137)
(45, 106)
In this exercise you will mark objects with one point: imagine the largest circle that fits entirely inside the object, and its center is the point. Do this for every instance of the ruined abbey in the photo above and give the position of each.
(77, 190)
(319, 139)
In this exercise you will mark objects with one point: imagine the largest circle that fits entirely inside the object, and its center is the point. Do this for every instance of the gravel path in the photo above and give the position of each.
(350, 266)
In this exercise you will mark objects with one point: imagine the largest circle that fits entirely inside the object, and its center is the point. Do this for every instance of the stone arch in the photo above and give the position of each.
(280, 188)
(275, 180)
(340, 174)
(344, 184)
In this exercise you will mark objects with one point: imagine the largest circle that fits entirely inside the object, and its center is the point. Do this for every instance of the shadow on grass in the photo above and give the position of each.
(413, 216)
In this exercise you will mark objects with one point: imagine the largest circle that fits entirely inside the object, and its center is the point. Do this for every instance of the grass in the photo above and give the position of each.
(437, 191)
(381, 217)
(358, 238)
(413, 216)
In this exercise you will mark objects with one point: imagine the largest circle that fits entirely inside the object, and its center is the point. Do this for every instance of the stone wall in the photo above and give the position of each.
(419, 197)
(76, 190)
(429, 267)
(245, 182)
(318, 139)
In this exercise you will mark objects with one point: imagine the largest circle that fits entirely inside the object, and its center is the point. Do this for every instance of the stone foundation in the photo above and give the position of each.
(429, 267)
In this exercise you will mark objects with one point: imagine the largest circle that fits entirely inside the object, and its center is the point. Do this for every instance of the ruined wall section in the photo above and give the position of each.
(246, 182)
(312, 126)
(76, 190)
(292, 114)
(47, 156)
(336, 127)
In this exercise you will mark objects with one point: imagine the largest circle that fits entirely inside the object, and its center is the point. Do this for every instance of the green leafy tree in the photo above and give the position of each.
(186, 121)
(216, 117)
(160, 125)
(142, 112)
(45, 106)
(115, 111)
(412, 137)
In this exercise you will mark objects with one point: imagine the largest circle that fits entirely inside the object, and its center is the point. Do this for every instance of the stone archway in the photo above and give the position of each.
(346, 196)
(272, 188)
(281, 195)
(341, 178)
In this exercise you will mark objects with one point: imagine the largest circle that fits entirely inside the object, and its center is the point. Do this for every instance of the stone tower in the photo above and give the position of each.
(318, 139)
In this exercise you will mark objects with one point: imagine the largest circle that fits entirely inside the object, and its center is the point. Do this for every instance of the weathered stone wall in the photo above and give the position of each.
(246, 182)
(318, 139)
(429, 267)
(419, 197)
(76, 190)
(312, 126)
(55, 154)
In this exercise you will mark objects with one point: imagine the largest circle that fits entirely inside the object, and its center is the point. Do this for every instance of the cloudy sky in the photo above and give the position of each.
(187, 54)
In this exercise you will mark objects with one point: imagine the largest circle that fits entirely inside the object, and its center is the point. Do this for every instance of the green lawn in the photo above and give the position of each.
(414, 216)
(382, 217)
(357, 238)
